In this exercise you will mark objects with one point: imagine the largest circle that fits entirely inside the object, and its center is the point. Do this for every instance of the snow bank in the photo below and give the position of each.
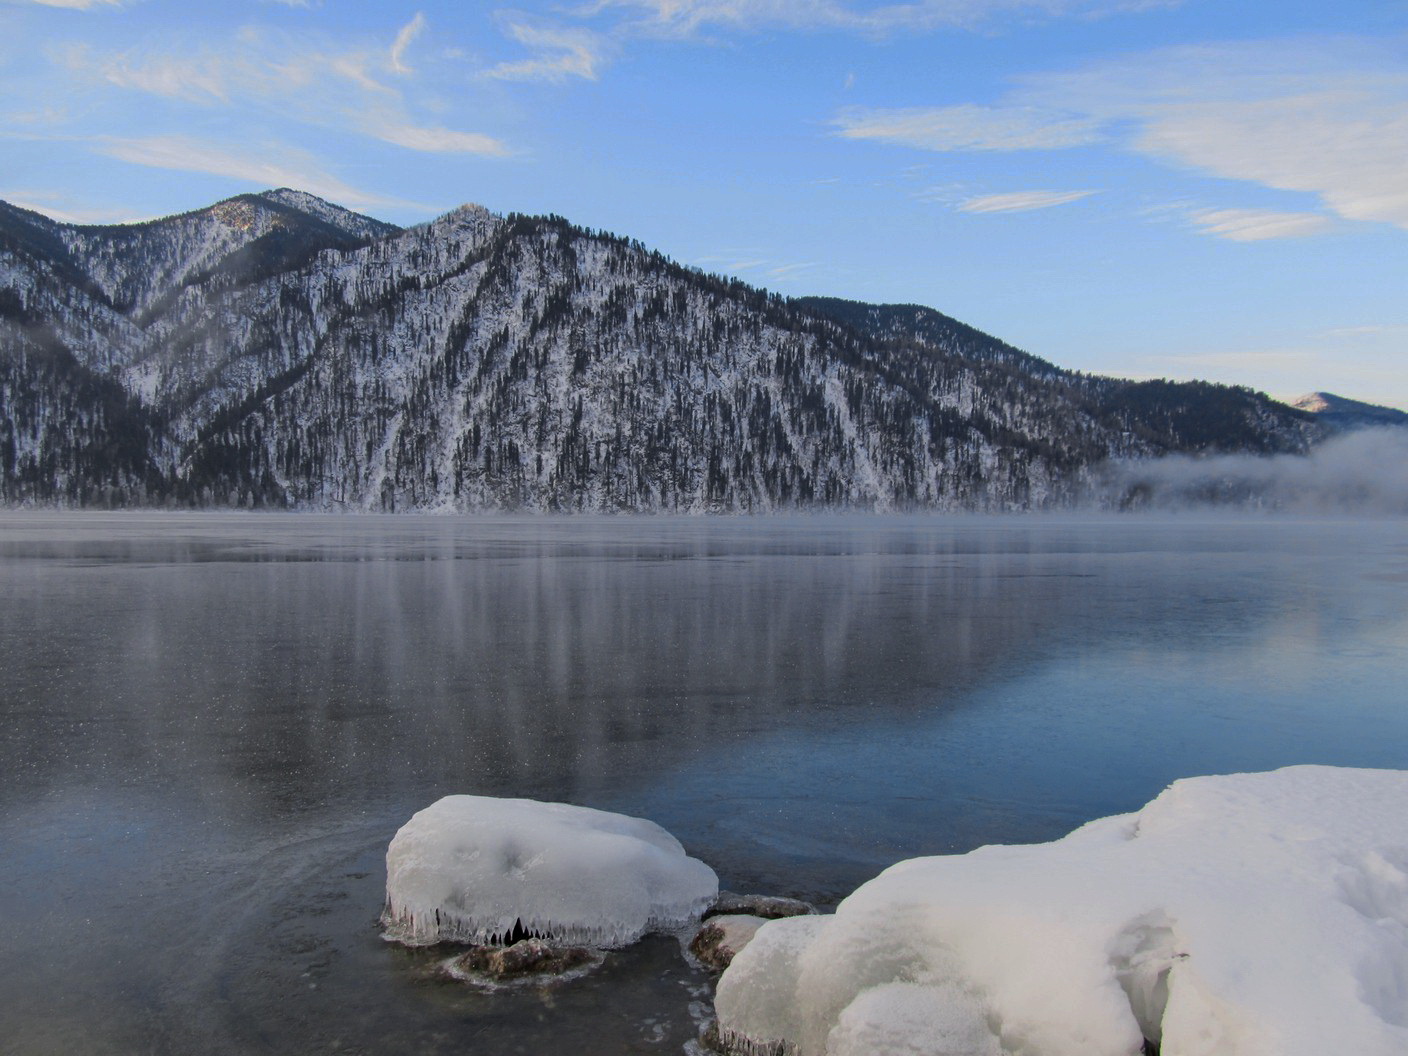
(470, 868)
(1246, 915)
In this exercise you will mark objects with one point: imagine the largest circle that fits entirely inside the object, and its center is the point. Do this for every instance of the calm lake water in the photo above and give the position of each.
(211, 726)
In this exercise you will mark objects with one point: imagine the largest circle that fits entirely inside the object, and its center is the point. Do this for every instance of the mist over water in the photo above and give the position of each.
(1359, 473)
(212, 725)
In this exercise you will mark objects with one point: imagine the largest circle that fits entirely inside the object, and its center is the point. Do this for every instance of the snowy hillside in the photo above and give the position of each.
(275, 349)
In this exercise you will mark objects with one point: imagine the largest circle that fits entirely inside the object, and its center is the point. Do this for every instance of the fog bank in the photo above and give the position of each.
(1360, 472)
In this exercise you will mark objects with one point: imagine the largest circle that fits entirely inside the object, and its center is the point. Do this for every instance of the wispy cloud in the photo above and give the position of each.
(257, 66)
(62, 208)
(296, 78)
(559, 52)
(412, 29)
(1366, 330)
(783, 271)
(274, 165)
(198, 79)
(72, 5)
(1258, 225)
(1020, 201)
(438, 140)
(757, 266)
(969, 127)
(686, 17)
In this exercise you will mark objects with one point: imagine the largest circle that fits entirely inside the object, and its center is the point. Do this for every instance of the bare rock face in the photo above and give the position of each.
(721, 937)
(525, 958)
(769, 907)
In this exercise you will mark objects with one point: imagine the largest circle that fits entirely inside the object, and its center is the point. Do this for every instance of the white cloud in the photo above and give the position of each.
(1258, 225)
(1346, 146)
(1327, 117)
(1323, 116)
(1020, 201)
(270, 166)
(969, 127)
(412, 29)
(559, 52)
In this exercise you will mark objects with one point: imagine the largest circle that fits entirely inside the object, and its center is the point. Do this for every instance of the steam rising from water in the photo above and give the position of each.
(1360, 472)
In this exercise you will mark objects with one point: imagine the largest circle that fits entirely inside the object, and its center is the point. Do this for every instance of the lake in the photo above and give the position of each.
(212, 724)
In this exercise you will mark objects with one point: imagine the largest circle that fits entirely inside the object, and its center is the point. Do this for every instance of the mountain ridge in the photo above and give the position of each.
(277, 350)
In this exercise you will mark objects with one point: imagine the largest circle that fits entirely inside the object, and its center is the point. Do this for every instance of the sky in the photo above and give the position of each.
(1148, 188)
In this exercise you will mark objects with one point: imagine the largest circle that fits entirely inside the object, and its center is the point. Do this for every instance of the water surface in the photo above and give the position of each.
(211, 725)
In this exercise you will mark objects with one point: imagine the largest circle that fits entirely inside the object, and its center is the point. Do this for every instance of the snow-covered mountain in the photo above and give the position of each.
(275, 349)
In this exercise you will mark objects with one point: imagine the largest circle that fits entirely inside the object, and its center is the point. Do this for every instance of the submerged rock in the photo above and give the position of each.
(721, 937)
(527, 958)
(769, 907)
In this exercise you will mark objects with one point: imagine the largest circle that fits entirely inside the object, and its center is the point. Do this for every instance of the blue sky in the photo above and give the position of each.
(1151, 188)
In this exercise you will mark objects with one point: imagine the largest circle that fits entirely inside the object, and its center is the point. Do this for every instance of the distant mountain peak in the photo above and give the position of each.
(304, 200)
(336, 216)
(1314, 402)
(1343, 413)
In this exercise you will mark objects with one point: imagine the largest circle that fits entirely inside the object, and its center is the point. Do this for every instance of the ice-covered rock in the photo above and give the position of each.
(477, 869)
(1243, 915)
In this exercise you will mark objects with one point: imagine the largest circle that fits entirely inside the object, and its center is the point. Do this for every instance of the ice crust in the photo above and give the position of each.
(471, 868)
(1241, 915)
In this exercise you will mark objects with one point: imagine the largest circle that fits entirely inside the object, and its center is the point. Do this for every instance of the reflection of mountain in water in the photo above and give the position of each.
(354, 660)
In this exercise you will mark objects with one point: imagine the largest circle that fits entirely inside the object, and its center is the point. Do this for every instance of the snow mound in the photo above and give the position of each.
(1244, 915)
(475, 869)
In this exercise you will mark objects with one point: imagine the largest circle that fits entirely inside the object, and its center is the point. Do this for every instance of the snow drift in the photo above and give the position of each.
(475, 868)
(1245, 915)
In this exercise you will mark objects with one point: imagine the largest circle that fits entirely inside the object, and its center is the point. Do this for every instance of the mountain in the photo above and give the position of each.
(1342, 413)
(277, 350)
(1161, 417)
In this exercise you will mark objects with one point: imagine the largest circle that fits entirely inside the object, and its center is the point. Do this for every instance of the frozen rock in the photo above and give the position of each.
(721, 937)
(770, 907)
(476, 869)
(1244, 915)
